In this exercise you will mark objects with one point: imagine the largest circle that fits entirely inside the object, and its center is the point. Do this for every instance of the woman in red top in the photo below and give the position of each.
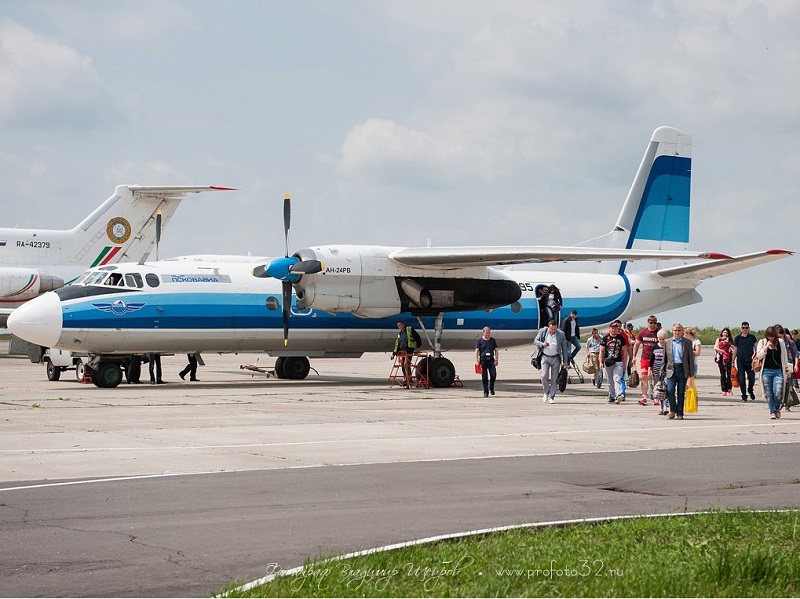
(722, 356)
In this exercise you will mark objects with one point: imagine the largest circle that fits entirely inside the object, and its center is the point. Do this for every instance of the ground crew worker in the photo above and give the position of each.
(404, 347)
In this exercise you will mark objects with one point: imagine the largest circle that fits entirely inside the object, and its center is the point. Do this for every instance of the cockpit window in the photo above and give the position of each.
(152, 279)
(134, 279)
(115, 280)
(95, 278)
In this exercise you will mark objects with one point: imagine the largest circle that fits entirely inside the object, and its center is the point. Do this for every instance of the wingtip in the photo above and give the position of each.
(778, 251)
(219, 188)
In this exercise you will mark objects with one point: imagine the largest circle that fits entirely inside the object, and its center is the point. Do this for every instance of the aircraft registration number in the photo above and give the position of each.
(337, 270)
(526, 286)
(34, 244)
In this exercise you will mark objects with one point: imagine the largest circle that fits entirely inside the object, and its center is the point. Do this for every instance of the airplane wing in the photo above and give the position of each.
(487, 256)
(707, 270)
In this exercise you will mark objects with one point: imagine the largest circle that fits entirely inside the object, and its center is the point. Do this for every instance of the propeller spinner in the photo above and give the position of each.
(287, 270)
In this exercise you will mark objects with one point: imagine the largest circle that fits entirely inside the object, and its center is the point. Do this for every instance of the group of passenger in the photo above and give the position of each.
(667, 364)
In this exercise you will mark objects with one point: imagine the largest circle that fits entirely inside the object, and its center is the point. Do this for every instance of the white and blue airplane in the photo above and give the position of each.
(123, 228)
(344, 300)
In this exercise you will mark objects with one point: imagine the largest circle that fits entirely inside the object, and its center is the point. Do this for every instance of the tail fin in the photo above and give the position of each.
(656, 212)
(123, 228)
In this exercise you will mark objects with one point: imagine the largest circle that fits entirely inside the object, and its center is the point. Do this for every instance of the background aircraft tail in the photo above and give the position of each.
(123, 228)
(655, 214)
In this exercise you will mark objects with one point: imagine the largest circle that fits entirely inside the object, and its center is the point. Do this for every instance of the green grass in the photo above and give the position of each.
(723, 554)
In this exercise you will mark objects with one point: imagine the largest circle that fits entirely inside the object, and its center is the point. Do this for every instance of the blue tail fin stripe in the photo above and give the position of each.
(663, 213)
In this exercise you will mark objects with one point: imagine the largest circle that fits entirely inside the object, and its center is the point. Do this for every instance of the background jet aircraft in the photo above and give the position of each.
(348, 297)
(123, 228)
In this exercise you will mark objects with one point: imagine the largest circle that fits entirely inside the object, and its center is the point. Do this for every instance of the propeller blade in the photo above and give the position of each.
(287, 306)
(307, 267)
(287, 218)
(158, 231)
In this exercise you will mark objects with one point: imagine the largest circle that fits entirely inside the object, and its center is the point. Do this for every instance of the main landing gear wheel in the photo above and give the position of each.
(53, 372)
(80, 367)
(441, 371)
(279, 367)
(295, 368)
(108, 375)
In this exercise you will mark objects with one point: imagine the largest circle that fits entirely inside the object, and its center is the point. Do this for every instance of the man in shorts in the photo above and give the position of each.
(647, 340)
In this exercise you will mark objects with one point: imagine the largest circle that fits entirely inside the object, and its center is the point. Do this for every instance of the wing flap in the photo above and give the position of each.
(457, 257)
(707, 270)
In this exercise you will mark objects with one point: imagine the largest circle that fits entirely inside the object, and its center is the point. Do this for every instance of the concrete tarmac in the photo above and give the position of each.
(179, 489)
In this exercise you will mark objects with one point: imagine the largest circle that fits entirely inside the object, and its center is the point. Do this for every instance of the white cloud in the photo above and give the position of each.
(48, 84)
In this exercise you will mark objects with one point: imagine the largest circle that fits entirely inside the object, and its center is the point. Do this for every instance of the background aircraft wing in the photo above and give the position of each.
(707, 270)
(487, 256)
(176, 190)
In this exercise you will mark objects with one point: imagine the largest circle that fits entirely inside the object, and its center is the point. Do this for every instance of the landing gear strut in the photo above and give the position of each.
(441, 371)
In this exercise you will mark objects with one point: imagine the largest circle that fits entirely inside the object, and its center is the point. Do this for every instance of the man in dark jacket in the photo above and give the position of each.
(572, 332)
(678, 366)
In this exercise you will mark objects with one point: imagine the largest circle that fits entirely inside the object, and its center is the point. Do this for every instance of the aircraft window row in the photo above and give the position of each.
(117, 279)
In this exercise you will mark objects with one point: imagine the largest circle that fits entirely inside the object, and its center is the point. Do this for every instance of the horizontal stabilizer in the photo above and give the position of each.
(457, 257)
(707, 270)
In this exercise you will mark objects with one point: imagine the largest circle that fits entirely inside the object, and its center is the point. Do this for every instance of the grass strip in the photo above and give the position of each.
(722, 554)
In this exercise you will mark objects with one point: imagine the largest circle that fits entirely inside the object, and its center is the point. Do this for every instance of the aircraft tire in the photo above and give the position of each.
(108, 375)
(296, 368)
(279, 367)
(53, 372)
(441, 372)
(80, 368)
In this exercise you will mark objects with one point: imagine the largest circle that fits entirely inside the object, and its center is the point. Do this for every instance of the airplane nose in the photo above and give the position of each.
(38, 320)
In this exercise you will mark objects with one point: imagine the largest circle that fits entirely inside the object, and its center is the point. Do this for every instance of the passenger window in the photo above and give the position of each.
(134, 279)
(152, 279)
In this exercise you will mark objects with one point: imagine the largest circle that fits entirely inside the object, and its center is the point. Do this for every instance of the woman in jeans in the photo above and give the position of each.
(775, 368)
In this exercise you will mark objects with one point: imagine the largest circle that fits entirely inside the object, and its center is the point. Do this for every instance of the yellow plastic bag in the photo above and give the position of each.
(690, 400)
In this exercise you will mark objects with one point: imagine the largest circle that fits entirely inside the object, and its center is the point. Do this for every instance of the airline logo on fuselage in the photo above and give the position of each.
(118, 307)
(195, 279)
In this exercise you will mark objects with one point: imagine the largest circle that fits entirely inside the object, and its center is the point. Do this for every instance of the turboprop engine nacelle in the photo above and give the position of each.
(364, 281)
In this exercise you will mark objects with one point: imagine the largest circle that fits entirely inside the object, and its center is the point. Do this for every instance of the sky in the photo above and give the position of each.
(407, 122)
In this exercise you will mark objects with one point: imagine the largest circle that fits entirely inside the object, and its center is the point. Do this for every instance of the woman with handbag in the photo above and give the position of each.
(659, 386)
(723, 354)
(697, 346)
(593, 354)
(772, 354)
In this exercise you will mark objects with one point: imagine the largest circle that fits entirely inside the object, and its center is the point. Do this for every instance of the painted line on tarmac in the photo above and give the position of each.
(277, 571)
(354, 464)
(671, 427)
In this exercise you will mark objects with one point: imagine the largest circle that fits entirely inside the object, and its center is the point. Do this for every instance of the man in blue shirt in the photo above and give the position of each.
(486, 356)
